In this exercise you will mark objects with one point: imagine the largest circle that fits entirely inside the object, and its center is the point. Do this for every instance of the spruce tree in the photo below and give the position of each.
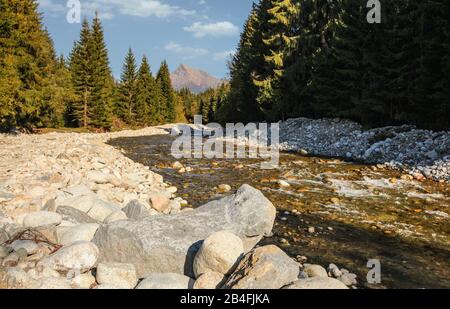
(242, 101)
(82, 76)
(28, 65)
(147, 95)
(102, 80)
(167, 93)
(278, 41)
(128, 88)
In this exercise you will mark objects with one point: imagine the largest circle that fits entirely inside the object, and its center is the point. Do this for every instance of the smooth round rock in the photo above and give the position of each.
(30, 246)
(160, 203)
(219, 253)
(22, 253)
(117, 274)
(224, 188)
(83, 281)
(315, 271)
(79, 256)
(82, 232)
(42, 218)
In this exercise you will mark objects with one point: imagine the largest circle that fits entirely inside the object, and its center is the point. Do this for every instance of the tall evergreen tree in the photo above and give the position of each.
(82, 76)
(102, 80)
(276, 18)
(28, 66)
(147, 96)
(167, 99)
(242, 103)
(128, 88)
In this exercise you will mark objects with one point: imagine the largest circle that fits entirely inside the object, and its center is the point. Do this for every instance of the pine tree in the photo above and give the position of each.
(242, 103)
(102, 81)
(128, 88)
(82, 76)
(167, 93)
(276, 17)
(147, 95)
(27, 64)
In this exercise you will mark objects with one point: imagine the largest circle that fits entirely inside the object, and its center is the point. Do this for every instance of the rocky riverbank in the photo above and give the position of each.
(76, 213)
(420, 153)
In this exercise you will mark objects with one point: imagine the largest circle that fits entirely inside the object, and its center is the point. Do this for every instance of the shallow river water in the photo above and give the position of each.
(333, 212)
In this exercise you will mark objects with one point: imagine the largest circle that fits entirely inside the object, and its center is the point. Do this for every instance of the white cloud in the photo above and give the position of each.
(109, 8)
(224, 55)
(185, 51)
(201, 30)
(52, 7)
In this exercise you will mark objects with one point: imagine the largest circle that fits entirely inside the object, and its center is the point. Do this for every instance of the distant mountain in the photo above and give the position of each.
(196, 80)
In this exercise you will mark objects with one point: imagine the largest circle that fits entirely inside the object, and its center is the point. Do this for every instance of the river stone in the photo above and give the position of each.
(82, 232)
(317, 283)
(166, 281)
(4, 237)
(78, 190)
(43, 272)
(41, 218)
(348, 279)
(136, 210)
(220, 253)
(224, 188)
(101, 178)
(52, 283)
(210, 281)
(117, 274)
(170, 243)
(17, 278)
(116, 216)
(333, 271)
(11, 260)
(78, 256)
(315, 271)
(101, 210)
(83, 203)
(160, 203)
(30, 246)
(83, 281)
(264, 268)
(4, 252)
(74, 215)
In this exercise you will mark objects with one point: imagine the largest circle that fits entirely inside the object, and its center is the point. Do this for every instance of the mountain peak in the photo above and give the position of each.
(194, 79)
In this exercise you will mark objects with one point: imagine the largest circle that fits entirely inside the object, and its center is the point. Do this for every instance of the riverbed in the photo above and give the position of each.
(332, 211)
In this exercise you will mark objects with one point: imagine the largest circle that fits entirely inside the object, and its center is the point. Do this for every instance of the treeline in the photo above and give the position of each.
(205, 104)
(38, 89)
(321, 58)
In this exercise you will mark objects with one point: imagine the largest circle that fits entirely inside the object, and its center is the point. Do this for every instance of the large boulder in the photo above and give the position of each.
(264, 268)
(168, 244)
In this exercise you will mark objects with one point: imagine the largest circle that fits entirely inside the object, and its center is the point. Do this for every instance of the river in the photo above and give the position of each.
(333, 211)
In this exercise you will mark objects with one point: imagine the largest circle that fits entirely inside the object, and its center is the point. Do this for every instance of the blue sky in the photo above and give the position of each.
(199, 33)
